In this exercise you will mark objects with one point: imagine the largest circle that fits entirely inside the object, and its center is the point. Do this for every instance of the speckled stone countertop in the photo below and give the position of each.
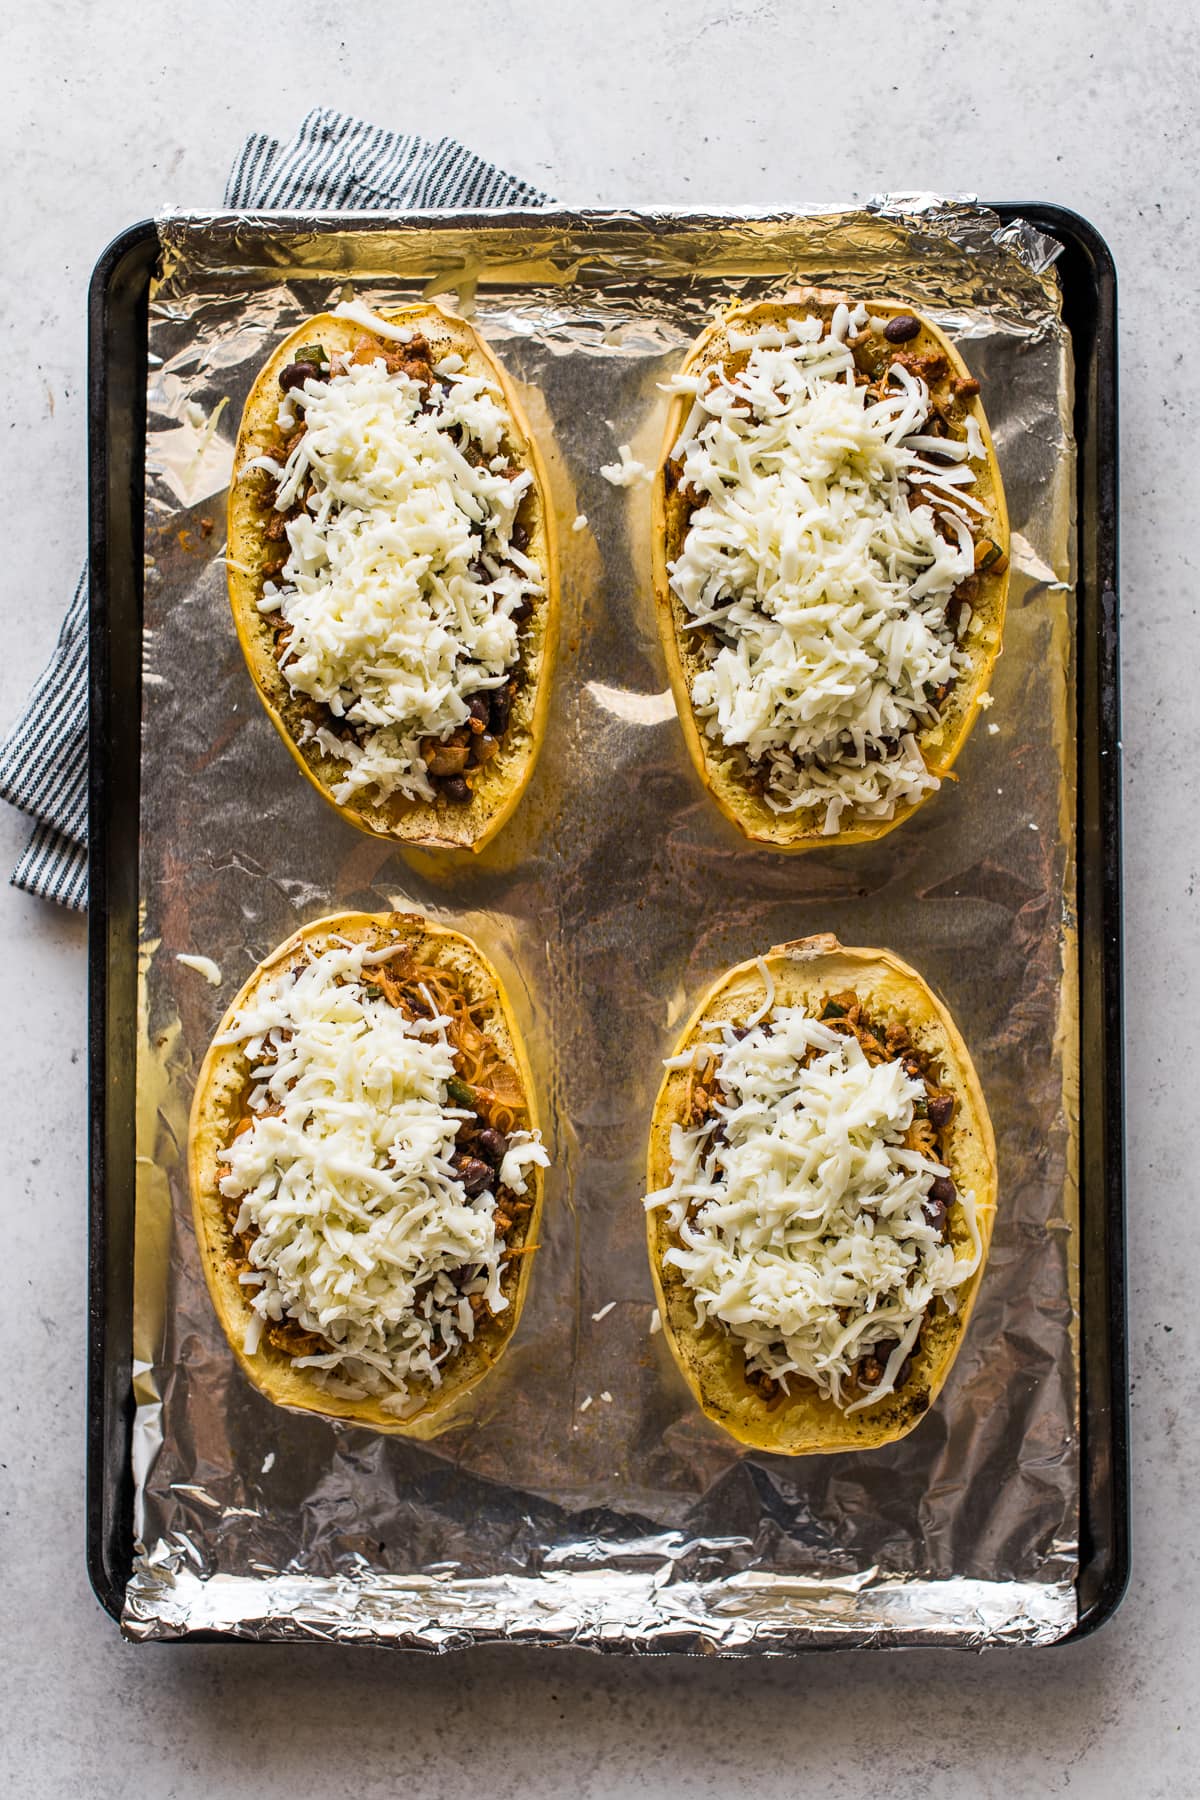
(111, 112)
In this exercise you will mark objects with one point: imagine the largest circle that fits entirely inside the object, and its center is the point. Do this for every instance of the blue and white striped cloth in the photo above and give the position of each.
(334, 163)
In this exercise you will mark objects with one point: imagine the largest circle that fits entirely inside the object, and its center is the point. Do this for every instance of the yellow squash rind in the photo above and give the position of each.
(216, 1107)
(498, 786)
(725, 772)
(709, 1358)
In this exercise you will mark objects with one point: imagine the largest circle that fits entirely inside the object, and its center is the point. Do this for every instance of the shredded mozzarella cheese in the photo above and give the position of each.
(628, 472)
(203, 965)
(795, 1211)
(814, 556)
(402, 577)
(361, 1230)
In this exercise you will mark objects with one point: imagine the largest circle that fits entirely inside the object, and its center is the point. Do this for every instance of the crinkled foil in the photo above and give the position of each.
(610, 901)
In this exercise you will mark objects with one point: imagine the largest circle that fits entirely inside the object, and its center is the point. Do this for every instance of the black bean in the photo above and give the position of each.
(943, 1190)
(522, 612)
(900, 329)
(501, 709)
(475, 1175)
(296, 374)
(935, 1212)
(480, 708)
(493, 1144)
(520, 537)
(456, 790)
(941, 1109)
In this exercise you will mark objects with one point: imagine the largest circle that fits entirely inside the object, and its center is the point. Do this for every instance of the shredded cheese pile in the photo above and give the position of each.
(402, 577)
(796, 1210)
(822, 575)
(363, 1231)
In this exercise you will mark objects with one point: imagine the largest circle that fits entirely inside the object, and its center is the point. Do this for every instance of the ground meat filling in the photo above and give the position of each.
(875, 351)
(929, 1135)
(495, 1100)
(450, 762)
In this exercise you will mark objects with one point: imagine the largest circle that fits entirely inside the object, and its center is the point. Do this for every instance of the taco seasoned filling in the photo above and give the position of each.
(403, 579)
(375, 1173)
(810, 1197)
(834, 548)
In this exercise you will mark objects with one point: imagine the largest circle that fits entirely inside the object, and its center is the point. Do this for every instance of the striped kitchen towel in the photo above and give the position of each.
(334, 163)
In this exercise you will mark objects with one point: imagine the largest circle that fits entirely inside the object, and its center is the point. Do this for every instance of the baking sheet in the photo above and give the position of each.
(610, 901)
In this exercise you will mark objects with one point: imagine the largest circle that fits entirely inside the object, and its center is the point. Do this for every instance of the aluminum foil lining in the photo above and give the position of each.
(609, 902)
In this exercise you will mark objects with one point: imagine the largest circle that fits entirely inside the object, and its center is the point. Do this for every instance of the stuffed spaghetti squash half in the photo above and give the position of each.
(822, 1176)
(366, 1171)
(392, 571)
(830, 547)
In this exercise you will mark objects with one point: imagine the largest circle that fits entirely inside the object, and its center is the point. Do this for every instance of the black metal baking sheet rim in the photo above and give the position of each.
(117, 306)
(1099, 769)
(117, 312)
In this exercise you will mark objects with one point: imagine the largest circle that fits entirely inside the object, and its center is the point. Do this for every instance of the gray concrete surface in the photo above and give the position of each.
(109, 112)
